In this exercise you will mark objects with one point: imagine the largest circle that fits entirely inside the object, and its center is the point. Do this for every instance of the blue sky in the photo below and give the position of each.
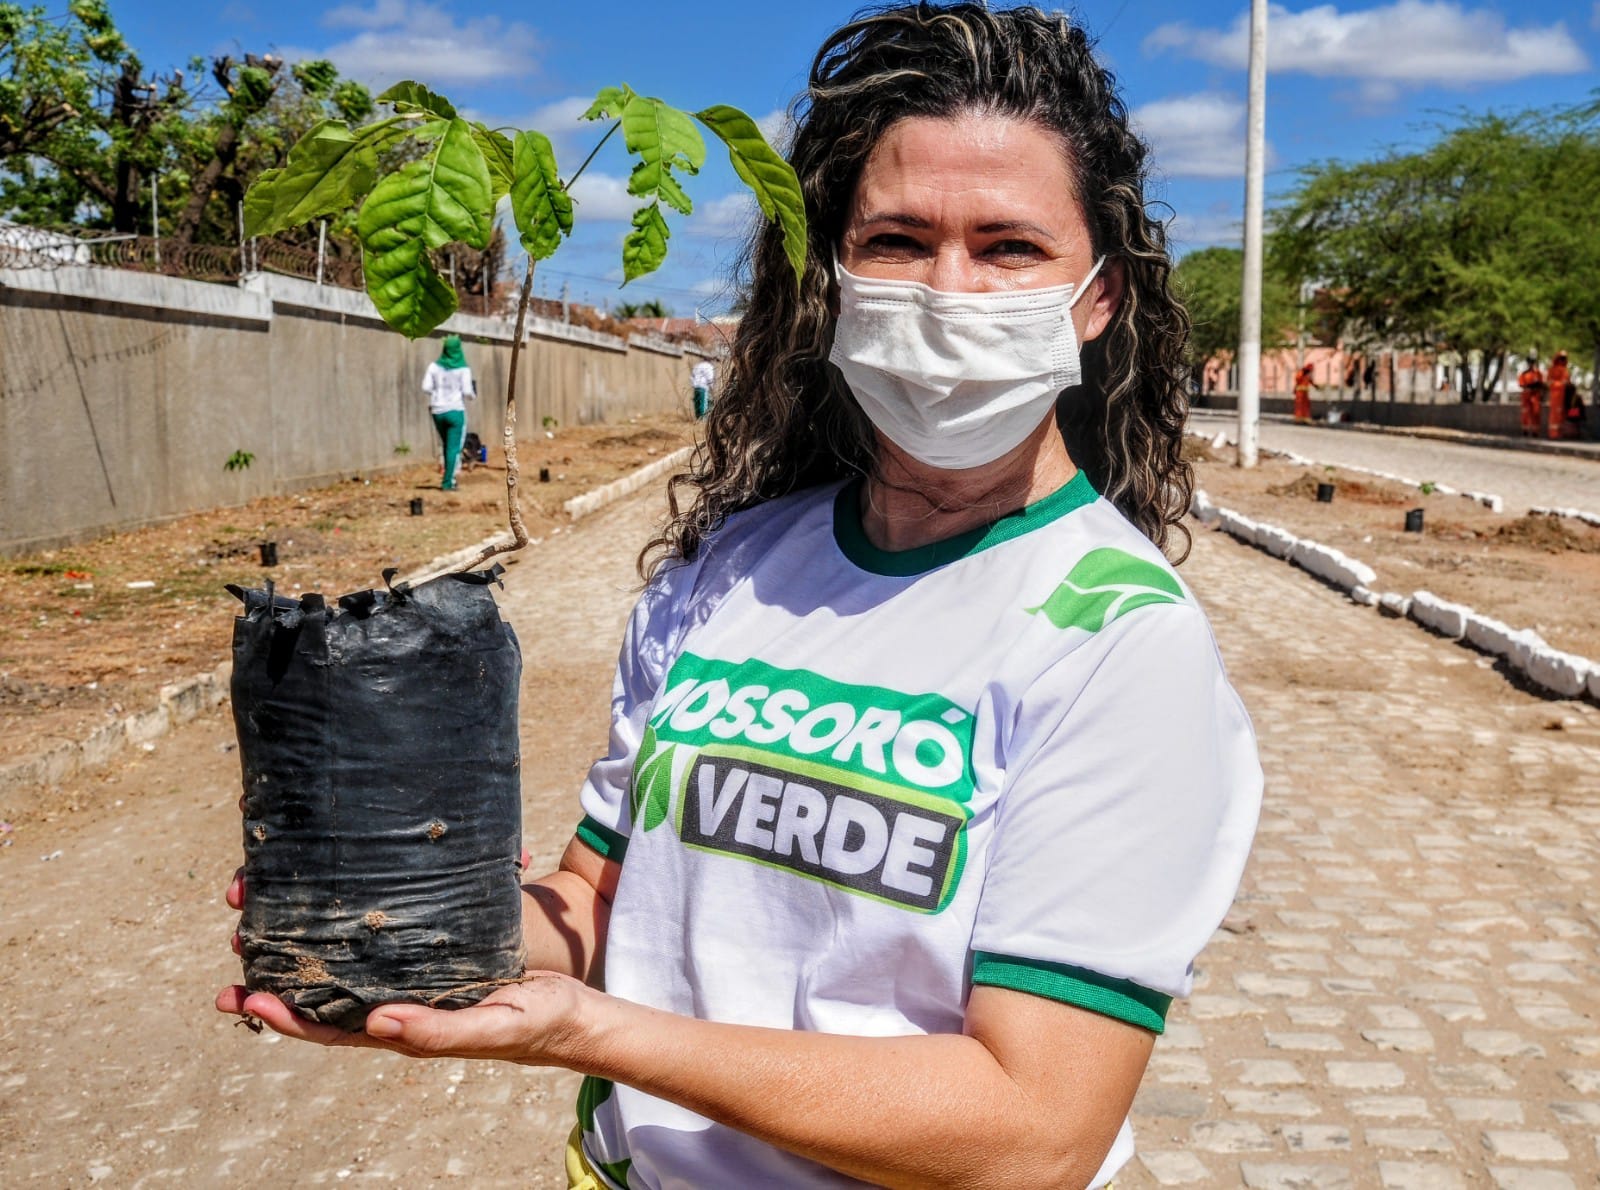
(1346, 80)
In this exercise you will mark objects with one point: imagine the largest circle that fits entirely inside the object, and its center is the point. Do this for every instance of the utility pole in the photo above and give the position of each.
(322, 249)
(155, 216)
(566, 313)
(1254, 178)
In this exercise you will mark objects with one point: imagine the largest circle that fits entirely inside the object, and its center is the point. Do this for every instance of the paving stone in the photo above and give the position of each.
(1181, 1036)
(1410, 1140)
(1180, 1168)
(1500, 1043)
(1256, 1072)
(1525, 1146)
(1584, 1082)
(1391, 1107)
(1365, 1076)
(1405, 1041)
(1540, 973)
(1412, 1175)
(1471, 1076)
(1349, 985)
(1323, 1015)
(1274, 1176)
(1273, 1103)
(1485, 1111)
(1584, 1047)
(1577, 1113)
(1222, 1008)
(1393, 1016)
(1317, 1138)
(1258, 984)
(1179, 1067)
(1230, 1136)
(1315, 1042)
(1511, 1178)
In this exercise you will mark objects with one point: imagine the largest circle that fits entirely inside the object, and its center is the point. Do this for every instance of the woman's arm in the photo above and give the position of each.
(1032, 1092)
(565, 914)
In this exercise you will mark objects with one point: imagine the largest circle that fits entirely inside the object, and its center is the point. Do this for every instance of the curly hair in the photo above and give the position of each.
(785, 419)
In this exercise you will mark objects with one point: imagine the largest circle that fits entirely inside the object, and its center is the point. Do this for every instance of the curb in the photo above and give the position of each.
(1549, 671)
(581, 506)
(176, 704)
(191, 697)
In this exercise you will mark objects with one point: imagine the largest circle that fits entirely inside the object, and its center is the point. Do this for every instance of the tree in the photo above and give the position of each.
(1210, 282)
(1468, 245)
(654, 308)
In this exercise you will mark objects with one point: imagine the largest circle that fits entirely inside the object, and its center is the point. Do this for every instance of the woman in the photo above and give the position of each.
(448, 383)
(925, 784)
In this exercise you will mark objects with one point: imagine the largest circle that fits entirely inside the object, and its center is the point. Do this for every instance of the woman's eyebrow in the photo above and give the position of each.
(1022, 225)
(901, 220)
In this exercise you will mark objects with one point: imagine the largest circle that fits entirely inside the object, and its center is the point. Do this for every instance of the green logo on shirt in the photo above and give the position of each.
(1105, 584)
(860, 787)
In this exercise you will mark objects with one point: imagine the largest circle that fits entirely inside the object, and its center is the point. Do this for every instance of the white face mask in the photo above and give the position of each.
(955, 379)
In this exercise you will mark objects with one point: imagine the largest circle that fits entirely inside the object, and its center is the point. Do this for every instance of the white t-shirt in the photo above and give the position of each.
(702, 375)
(845, 785)
(448, 389)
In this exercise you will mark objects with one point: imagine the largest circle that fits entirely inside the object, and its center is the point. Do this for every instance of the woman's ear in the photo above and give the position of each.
(1104, 299)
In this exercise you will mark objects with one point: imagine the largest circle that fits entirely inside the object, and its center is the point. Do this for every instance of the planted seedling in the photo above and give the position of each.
(378, 736)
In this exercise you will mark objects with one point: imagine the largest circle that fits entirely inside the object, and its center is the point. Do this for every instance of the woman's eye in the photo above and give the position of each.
(892, 242)
(1014, 248)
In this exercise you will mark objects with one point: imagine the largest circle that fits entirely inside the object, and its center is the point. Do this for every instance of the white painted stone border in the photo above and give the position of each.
(581, 506)
(1564, 675)
(184, 700)
(1576, 514)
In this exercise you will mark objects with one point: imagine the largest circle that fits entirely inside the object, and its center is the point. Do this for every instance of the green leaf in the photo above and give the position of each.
(1105, 584)
(773, 180)
(410, 96)
(608, 105)
(327, 170)
(409, 295)
(646, 245)
(664, 139)
(542, 209)
(444, 197)
(651, 792)
(496, 150)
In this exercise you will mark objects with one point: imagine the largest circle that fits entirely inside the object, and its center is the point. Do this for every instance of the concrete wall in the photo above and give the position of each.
(122, 394)
(1476, 418)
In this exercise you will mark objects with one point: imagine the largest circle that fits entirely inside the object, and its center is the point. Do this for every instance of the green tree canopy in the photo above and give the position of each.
(1210, 283)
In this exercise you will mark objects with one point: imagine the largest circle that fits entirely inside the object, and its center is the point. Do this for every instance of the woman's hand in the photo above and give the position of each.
(535, 1022)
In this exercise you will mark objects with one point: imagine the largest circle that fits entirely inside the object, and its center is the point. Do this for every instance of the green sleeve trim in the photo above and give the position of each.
(1078, 986)
(603, 839)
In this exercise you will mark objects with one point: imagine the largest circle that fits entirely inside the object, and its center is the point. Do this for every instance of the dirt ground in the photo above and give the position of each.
(1527, 571)
(86, 644)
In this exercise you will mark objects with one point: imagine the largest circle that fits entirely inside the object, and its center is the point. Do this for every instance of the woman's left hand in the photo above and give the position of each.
(535, 1022)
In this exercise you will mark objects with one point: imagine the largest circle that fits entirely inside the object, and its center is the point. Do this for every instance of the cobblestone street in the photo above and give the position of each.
(1404, 995)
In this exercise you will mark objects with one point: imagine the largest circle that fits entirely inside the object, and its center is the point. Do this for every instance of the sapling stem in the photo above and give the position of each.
(508, 437)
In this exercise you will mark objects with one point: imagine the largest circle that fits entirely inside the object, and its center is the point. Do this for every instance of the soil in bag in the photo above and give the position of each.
(382, 801)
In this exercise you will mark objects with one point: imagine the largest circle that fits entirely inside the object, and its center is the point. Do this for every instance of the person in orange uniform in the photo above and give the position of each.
(1532, 382)
(1557, 385)
(1302, 394)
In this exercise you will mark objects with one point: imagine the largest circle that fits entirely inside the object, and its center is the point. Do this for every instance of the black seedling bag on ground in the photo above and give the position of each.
(382, 800)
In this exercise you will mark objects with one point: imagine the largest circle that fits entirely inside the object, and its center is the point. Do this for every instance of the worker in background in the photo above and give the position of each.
(1557, 384)
(701, 377)
(1532, 382)
(1302, 393)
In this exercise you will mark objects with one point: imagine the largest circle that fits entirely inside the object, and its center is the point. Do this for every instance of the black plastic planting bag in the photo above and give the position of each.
(382, 805)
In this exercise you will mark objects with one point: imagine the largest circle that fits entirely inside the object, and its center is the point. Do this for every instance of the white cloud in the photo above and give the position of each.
(1188, 231)
(1408, 42)
(1195, 136)
(602, 197)
(729, 215)
(778, 128)
(396, 39)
